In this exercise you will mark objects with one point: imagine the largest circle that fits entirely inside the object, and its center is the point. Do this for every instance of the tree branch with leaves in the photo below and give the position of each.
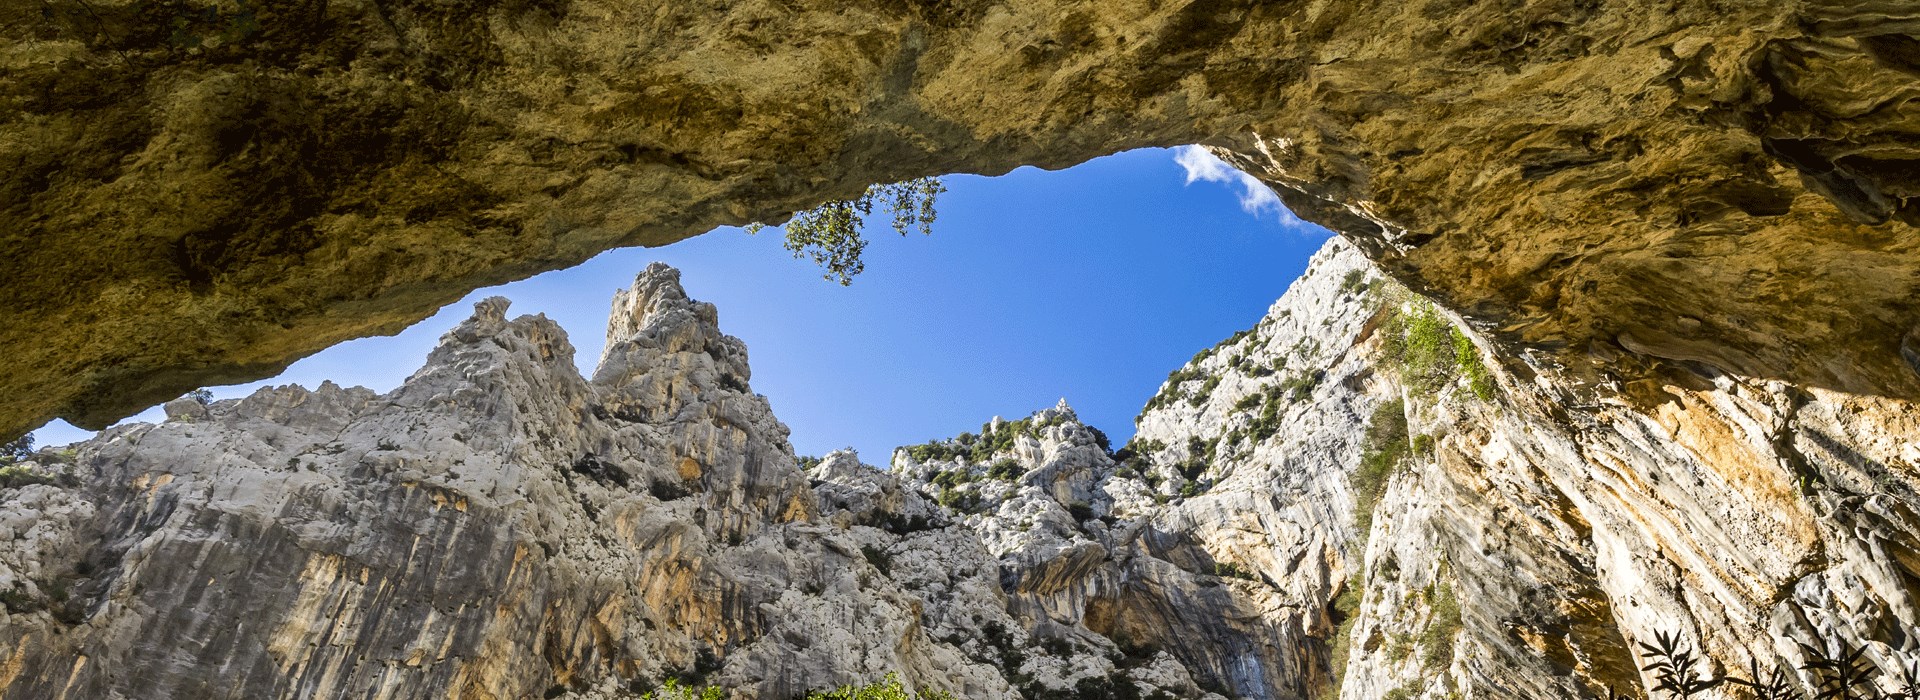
(830, 236)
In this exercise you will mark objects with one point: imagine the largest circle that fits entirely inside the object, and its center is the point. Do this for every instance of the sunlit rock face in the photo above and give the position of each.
(1541, 529)
(501, 527)
(1533, 539)
(200, 193)
(498, 527)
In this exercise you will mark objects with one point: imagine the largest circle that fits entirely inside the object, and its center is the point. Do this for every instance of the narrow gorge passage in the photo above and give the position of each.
(1354, 498)
(1602, 386)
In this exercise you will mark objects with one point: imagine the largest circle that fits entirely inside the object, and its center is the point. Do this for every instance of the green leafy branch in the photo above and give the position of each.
(829, 234)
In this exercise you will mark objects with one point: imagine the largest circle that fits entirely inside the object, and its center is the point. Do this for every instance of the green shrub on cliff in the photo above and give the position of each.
(1443, 624)
(1383, 449)
(20, 475)
(888, 688)
(673, 690)
(1430, 353)
(1478, 380)
(1345, 614)
(1172, 390)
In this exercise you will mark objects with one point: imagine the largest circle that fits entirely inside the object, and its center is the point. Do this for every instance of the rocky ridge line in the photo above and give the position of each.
(1358, 496)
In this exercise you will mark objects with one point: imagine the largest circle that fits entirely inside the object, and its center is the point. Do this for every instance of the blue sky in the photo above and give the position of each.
(1089, 283)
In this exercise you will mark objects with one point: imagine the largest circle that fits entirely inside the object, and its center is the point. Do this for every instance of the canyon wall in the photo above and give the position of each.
(1358, 497)
(501, 527)
(1533, 530)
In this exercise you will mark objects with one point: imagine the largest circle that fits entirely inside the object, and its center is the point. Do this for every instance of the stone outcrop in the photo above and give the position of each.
(1749, 517)
(498, 527)
(1225, 552)
(200, 192)
(1359, 497)
(1535, 530)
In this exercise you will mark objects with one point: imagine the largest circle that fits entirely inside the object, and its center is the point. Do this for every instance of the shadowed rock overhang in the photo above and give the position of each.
(198, 193)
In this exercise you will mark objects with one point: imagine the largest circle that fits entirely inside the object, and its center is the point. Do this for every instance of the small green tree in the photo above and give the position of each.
(1383, 449)
(830, 233)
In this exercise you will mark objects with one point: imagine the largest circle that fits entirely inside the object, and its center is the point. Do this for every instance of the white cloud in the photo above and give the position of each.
(1256, 197)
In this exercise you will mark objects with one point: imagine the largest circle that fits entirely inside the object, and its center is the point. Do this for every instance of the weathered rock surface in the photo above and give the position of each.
(497, 527)
(200, 192)
(1224, 552)
(1531, 541)
(1748, 516)
(500, 527)
(1536, 536)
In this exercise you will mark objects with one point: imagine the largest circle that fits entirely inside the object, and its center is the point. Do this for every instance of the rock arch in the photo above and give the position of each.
(199, 193)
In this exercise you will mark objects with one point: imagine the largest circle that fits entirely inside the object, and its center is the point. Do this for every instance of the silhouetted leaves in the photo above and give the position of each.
(1842, 676)
(1772, 685)
(1673, 666)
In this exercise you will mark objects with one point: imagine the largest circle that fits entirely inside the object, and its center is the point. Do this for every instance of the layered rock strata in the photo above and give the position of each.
(1522, 540)
(1530, 532)
(1358, 497)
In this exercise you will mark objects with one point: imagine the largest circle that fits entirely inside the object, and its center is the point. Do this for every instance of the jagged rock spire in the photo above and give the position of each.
(656, 295)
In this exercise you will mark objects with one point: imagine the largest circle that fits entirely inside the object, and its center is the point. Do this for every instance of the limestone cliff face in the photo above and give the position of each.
(498, 527)
(1522, 541)
(1308, 510)
(201, 191)
(1537, 530)
(1109, 592)
(1748, 516)
(1219, 546)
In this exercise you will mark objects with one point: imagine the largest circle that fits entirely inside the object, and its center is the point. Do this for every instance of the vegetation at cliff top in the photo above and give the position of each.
(1429, 352)
(1175, 387)
(980, 449)
(1136, 460)
(986, 449)
(829, 234)
(14, 475)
